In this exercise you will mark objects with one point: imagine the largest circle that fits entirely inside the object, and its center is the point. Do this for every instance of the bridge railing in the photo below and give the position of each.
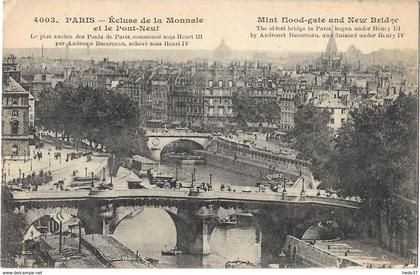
(183, 194)
(177, 134)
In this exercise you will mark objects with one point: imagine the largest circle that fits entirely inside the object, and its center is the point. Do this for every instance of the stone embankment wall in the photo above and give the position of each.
(241, 158)
(313, 256)
(238, 166)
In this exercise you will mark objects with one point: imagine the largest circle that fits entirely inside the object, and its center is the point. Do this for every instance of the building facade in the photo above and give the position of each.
(15, 113)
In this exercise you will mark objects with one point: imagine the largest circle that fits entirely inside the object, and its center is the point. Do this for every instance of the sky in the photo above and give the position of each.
(232, 20)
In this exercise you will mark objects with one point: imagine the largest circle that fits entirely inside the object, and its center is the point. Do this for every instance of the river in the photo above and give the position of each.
(152, 230)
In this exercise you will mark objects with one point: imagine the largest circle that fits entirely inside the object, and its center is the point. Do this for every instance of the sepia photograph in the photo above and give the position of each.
(209, 134)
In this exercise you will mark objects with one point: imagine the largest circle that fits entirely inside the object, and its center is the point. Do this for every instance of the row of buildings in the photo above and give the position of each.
(201, 93)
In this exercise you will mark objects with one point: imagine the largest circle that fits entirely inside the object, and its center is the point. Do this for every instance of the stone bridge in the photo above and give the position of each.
(157, 141)
(194, 215)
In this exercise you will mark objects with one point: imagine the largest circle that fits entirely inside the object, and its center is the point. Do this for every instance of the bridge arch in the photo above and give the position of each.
(34, 215)
(156, 143)
(123, 212)
(185, 144)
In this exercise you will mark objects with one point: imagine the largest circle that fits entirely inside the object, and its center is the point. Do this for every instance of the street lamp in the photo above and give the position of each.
(284, 186)
(3, 174)
(192, 179)
(80, 237)
(176, 173)
(92, 179)
(211, 175)
(20, 173)
(85, 172)
(194, 172)
(8, 169)
(49, 159)
(103, 172)
(302, 192)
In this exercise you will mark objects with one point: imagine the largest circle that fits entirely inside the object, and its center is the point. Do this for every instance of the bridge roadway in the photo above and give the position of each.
(183, 195)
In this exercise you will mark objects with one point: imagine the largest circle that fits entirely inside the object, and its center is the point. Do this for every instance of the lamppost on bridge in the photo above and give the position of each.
(3, 173)
(31, 163)
(103, 173)
(60, 241)
(85, 172)
(92, 179)
(284, 186)
(8, 169)
(49, 159)
(192, 179)
(210, 175)
(302, 192)
(194, 172)
(80, 237)
(20, 173)
(176, 173)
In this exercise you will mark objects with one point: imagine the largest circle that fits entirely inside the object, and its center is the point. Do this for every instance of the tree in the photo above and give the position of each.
(100, 116)
(270, 112)
(376, 154)
(120, 128)
(244, 109)
(313, 138)
(247, 110)
(12, 230)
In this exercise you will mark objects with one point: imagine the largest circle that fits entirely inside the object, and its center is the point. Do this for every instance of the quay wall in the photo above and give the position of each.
(98, 254)
(237, 166)
(244, 159)
(313, 256)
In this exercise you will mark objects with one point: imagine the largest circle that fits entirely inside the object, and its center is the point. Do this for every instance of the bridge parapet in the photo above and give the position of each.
(162, 195)
(176, 134)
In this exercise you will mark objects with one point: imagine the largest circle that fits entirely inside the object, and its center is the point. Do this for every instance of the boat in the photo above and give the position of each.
(172, 252)
(135, 184)
(241, 264)
(152, 261)
(161, 179)
(185, 158)
(228, 221)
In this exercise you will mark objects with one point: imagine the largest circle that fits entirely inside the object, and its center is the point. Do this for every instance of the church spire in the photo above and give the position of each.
(331, 49)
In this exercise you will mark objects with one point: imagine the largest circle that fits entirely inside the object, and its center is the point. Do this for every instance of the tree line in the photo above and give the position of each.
(372, 156)
(104, 118)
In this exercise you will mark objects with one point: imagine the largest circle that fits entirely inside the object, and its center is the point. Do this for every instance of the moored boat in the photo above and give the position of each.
(172, 252)
(241, 264)
(231, 220)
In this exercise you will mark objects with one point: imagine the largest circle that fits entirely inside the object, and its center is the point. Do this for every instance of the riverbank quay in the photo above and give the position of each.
(364, 252)
(251, 160)
(341, 253)
(112, 253)
(69, 256)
